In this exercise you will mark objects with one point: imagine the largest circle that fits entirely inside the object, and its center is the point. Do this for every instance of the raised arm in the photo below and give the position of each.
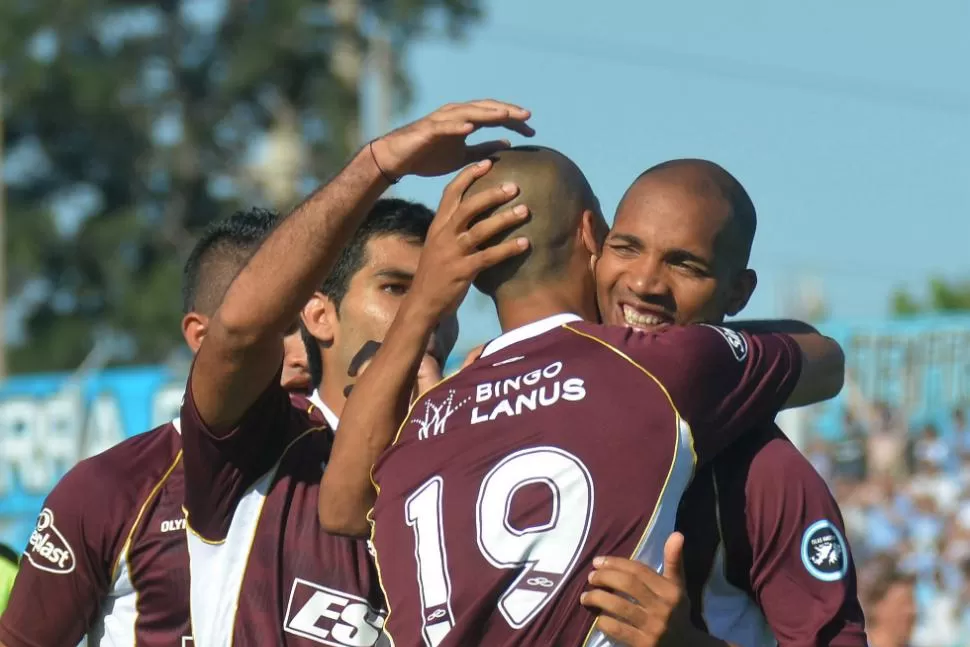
(450, 261)
(243, 348)
(823, 362)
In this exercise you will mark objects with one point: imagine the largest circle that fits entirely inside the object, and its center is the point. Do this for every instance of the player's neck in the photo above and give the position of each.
(331, 393)
(520, 310)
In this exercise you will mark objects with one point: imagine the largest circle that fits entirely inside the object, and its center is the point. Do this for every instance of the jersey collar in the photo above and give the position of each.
(529, 331)
(327, 412)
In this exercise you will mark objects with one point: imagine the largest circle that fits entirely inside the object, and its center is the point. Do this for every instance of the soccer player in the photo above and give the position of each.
(263, 571)
(765, 555)
(565, 440)
(358, 301)
(108, 558)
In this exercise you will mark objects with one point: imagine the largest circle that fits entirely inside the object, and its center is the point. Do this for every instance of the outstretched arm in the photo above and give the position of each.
(242, 351)
(823, 362)
(378, 403)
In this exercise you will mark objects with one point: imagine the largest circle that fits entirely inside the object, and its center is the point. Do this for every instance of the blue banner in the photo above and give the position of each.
(50, 422)
(919, 367)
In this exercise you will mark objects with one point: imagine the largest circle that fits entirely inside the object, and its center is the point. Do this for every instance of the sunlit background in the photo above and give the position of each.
(128, 126)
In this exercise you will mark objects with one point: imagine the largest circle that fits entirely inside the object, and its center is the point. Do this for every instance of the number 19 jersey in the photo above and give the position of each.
(564, 441)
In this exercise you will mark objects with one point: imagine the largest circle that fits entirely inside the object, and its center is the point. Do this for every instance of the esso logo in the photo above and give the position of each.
(331, 617)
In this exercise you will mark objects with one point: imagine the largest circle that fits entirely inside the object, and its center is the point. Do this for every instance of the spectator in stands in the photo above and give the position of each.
(850, 451)
(930, 450)
(959, 432)
(886, 450)
(888, 599)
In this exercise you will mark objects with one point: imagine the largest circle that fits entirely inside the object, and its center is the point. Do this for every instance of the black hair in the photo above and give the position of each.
(218, 256)
(9, 554)
(388, 217)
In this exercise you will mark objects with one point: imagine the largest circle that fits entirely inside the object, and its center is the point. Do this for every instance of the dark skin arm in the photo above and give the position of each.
(373, 413)
(823, 362)
(242, 350)
(655, 611)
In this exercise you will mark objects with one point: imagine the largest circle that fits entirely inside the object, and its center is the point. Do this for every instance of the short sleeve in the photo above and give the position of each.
(67, 567)
(722, 382)
(219, 469)
(802, 573)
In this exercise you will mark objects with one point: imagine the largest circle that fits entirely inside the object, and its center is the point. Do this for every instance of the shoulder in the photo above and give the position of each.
(120, 473)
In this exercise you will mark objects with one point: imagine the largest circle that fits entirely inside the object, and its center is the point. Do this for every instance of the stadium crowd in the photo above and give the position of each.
(905, 494)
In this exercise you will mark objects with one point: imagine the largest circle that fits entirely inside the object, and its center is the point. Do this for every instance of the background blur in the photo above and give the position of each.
(128, 126)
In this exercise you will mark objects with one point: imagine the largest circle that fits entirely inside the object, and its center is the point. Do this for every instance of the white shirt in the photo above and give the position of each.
(327, 412)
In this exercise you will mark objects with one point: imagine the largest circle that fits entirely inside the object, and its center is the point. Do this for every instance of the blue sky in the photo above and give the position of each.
(848, 122)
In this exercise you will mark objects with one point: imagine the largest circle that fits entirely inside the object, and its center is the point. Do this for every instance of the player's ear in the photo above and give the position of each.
(741, 290)
(591, 230)
(319, 317)
(194, 328)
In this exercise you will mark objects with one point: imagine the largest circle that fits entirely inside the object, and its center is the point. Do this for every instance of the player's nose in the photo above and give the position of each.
(647, 279)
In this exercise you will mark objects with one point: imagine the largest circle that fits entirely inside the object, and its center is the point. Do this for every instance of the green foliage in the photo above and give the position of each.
(130, 125)
(943, 296)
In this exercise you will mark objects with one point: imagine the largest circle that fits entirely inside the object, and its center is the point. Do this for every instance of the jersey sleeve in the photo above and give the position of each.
(802, 574)
(219, 469)
(722, 382)
(68, 565)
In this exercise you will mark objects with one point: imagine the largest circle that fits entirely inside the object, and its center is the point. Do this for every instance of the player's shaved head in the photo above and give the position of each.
(557, 194)
(219, 255)
(733, 211)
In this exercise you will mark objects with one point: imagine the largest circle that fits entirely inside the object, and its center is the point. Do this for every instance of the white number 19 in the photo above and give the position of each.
(548, 552)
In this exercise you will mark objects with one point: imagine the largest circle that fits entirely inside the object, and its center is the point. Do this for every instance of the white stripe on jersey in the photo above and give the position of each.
(216, 570)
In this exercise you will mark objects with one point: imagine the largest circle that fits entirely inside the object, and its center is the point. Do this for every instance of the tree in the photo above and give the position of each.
(943, 296)
(132, 124)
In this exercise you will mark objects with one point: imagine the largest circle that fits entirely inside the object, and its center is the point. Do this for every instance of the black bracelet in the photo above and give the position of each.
(387, 177)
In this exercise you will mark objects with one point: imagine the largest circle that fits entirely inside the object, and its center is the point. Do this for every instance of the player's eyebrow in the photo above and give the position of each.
(629, 239)
(394, 274)
(684, 255)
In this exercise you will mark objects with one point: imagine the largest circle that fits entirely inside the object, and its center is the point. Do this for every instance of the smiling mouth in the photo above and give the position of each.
(644, 319)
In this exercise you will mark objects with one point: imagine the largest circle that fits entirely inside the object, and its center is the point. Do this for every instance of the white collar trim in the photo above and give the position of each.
(528, 331)
(177, 423)
(327, 412)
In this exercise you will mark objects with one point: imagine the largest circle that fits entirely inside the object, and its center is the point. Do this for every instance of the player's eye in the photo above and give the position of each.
(693, 269)
(396, 289)
(622, 249)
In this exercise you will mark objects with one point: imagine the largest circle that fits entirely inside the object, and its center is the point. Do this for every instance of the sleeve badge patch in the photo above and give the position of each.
(824, 552)
(737, 341)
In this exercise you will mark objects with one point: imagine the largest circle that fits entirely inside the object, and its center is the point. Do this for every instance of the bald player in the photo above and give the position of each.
(765, 556)
(504, 481)
(108, 558)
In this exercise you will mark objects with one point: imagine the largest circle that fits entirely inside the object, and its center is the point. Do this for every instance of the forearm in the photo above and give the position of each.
(822, 365)
(370, 421)
(292, 263)
(765, 326)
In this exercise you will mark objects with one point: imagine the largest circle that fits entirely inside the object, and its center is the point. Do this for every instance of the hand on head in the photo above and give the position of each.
(435, 145)
(453, 253)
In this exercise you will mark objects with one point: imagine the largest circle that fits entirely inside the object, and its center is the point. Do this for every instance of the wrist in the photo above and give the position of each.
(383, 168)
(381, 158)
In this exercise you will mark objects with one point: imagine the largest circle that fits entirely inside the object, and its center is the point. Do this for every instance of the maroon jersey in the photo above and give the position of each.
(564, 441)
(108, 558)
(766, 561)
(263, 570)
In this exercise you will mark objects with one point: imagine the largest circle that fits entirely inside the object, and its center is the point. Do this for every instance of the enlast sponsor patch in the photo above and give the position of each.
(824, 552)
(48, 549)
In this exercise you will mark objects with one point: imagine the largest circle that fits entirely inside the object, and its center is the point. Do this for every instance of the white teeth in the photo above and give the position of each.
(634, 318)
